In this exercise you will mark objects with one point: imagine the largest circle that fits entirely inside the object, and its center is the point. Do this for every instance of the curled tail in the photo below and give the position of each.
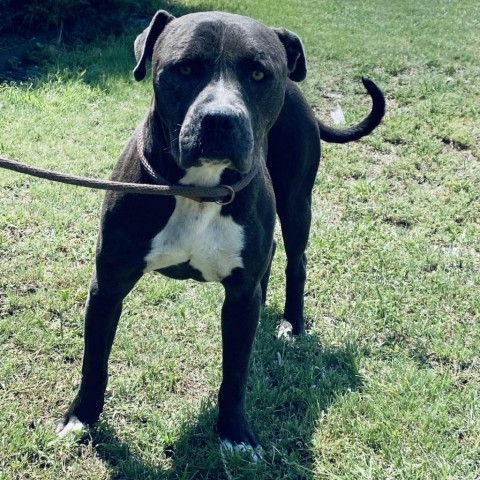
(367, 125)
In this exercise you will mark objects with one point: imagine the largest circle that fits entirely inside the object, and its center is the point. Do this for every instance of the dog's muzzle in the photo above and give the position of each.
(217, 136)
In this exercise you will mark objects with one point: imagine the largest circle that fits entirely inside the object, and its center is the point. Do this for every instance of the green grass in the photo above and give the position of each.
(385, 385)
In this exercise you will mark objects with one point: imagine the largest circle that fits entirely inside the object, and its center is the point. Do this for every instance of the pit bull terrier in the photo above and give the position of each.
(225, 111)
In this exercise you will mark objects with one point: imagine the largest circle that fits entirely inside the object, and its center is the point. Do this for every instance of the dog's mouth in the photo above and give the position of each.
(228, 155)
(207, 174)
(207, 161)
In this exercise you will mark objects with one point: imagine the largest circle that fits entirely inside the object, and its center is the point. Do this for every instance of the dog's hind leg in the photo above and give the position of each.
(295, 219)
(266, 276)
(293, 159)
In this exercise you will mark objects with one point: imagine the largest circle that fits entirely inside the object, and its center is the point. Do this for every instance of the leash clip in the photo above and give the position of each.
(230, 200)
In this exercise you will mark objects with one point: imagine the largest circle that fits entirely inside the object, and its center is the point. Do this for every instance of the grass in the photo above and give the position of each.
(385, 383)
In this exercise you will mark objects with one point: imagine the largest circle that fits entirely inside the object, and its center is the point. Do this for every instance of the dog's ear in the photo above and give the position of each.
(296, 62)
(145, 42)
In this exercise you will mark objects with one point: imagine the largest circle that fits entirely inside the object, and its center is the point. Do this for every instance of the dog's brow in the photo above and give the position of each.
(259, 58)
(191, 57)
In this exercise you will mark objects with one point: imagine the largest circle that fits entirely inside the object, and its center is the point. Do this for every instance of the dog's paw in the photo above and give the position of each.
(285, 331)
(253, 454)
(69, 425)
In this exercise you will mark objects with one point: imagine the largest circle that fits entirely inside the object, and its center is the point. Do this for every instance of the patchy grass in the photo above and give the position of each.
(385, 383)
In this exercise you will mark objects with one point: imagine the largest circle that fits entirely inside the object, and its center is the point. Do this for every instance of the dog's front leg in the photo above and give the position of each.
(240, 314)
(102, 313)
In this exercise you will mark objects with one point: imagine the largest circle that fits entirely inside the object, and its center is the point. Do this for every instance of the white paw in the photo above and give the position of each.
(254, 454)
(285, 331)
(73, 425)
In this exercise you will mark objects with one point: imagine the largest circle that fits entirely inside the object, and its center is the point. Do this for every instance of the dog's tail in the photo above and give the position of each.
(367, 125)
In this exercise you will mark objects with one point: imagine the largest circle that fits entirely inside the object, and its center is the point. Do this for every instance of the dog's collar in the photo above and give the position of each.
(222, 194)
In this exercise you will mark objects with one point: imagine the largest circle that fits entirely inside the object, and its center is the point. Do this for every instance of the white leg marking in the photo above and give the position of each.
(254, 454)
(73, 425)
(285, 331)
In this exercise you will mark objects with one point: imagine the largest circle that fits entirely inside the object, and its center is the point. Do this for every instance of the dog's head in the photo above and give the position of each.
(219, 83)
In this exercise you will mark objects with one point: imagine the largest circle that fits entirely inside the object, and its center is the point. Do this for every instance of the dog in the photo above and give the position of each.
(226, 110)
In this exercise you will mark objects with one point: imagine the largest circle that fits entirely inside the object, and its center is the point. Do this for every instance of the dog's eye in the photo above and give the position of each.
(258, 75)
(185, 70)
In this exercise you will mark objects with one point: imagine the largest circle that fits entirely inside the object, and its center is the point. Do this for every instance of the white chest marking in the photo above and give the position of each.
(198, 234)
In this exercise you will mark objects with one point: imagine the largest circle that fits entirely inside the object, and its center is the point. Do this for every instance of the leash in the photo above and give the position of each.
(163, 187)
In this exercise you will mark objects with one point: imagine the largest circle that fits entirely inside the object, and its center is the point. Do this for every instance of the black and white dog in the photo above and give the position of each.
(225, 110)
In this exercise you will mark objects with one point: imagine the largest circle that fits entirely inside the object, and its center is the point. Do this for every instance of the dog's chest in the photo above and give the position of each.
(197, 234)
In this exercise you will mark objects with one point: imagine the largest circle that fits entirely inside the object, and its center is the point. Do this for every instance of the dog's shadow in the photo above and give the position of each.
(291, 386)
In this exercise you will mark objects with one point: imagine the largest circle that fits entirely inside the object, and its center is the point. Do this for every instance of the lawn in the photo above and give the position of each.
(386, 382)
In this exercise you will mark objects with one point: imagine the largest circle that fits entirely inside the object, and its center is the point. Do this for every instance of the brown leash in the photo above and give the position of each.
(199, 194)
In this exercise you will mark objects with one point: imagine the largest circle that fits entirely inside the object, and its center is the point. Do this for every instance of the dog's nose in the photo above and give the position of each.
(218, 122)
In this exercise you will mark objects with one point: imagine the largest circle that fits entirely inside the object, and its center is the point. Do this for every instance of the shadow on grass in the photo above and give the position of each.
(96, 60)
(291, 387)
